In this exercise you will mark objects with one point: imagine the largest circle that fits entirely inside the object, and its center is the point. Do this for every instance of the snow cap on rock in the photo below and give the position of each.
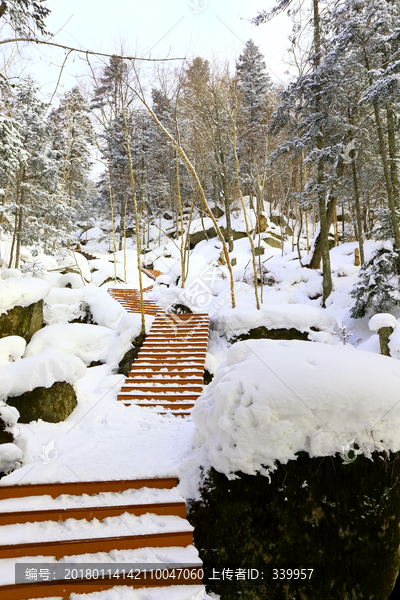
(41, 370)
(382, 320)
(21, 292)
(271, 400)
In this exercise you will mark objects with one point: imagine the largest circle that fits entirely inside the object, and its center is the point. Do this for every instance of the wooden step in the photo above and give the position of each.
(83, 487)
(61, 548)
(174, 344)
(182, 369)
(182, 389)
(181, 381)
(150, 396)
(175, 406)
(177, 509)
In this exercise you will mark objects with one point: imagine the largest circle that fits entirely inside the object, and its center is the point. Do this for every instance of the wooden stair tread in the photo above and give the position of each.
(93, 512)
(83, 487)
(61, 548)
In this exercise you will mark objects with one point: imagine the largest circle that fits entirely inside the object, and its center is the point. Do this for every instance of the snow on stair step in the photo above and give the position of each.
(158, 533)
(174, 342)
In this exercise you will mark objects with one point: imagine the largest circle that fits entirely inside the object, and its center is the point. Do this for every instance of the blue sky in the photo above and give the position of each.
(181, 28)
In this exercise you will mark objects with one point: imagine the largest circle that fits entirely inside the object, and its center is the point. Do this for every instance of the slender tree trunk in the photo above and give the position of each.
(253, 255)
(15, 221)
(136, 213)
(358, 212)
(324, 224)
(178, 184)
(226, 203)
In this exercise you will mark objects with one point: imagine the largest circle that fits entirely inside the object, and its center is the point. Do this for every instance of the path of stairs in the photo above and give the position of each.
(144, 520)
(168, 371)
(138, 522)
(130, 299)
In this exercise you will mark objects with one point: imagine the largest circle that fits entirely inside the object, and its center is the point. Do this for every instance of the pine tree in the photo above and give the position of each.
(73, 140)
(253, 84)
(378, 288)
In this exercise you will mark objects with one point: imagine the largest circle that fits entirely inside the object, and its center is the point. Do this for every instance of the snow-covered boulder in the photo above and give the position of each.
(273, 321)
(22, 291)
(297, 445)
(271, 400)
(90, 343)
(382, 320)
(9, 273)
(385, 324)
(41, 386)
(21, 306)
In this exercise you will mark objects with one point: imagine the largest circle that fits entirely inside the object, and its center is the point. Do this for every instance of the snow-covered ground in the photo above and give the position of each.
(103, 439)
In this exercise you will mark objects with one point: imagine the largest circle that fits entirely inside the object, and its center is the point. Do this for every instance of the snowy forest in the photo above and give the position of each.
(200, 292)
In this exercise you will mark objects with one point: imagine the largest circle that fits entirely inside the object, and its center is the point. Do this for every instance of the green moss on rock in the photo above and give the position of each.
(259, 333)
(128, 359)
(22, 320)
(340, 519)
(53, 404)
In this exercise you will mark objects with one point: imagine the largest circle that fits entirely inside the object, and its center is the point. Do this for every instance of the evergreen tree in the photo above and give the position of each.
(378, 289)
(253, 83)
(73, 139)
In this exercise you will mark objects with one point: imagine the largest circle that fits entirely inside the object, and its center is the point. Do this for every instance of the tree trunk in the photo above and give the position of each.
(358, 212)
(323, 218)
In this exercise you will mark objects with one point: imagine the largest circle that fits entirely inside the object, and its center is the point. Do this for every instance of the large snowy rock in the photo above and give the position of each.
(90, 343)
(314, 323)
(41, 386)
(299, 447)
(271, 400)
(21, 306)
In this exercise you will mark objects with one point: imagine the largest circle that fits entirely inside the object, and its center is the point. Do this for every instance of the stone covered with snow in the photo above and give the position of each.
(22, 291)
(233, 323)
(382, 320)
(87, 342)
(271, 400)
(41, 370)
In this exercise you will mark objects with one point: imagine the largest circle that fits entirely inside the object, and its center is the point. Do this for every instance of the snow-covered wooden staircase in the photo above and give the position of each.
(134, 522)
(168, 371)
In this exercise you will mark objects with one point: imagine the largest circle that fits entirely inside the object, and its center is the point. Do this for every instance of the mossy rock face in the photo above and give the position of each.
(217, 212)
(53, 404)
(342, 520)
(128, 359)
(278, 220)
(22, 320)
(199, 236)
(273, 241)
(259, 333)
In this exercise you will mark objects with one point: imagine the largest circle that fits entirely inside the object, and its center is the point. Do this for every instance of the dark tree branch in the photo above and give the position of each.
(35, 41)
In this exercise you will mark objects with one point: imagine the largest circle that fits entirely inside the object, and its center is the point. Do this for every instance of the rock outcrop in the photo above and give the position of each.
(339, 519)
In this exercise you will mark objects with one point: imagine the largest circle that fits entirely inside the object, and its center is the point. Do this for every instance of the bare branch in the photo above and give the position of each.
(42, 42)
